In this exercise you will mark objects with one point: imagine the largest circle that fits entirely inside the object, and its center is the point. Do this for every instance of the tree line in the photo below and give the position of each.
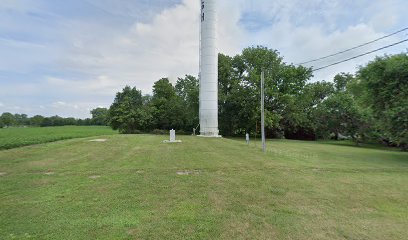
(370, 106)
(99, 118)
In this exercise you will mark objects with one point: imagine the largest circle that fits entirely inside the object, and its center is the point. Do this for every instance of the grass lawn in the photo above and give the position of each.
(135, 187)
(17, 137)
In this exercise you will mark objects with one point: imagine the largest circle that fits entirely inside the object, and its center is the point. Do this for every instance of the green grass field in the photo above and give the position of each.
(135, 187)
(17, 137)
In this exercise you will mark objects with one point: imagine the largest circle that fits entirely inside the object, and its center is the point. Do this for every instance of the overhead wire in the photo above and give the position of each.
(361, 55)
(350, 49)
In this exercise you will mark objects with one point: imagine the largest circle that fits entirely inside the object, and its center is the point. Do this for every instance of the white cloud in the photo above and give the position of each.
(61, 104)
(165, 47)
(66, 109)
(139, 56)
(101, 85)
(305, 30)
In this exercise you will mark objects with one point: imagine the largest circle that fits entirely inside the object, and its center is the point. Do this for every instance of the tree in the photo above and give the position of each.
(339, 114)
(130, 112)
(300, 121)
(386, 83)
(169, 111)
(239, 83)
(230, 72)
(37, 120)
(8, 119)
(187, 89)
(100, 116)
(341, 80)
(21, 119)
(47, 122)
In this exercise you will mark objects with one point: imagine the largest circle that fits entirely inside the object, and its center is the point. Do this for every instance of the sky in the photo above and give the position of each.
(68, 57)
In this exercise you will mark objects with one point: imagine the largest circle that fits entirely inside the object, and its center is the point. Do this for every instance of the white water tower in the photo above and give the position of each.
(208, 70)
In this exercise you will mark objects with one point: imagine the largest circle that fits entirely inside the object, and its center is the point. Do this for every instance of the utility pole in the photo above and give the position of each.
(263, 111)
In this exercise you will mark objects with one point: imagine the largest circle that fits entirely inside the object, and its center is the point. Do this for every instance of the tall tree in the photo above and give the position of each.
(187, 90)
(341, 81)
(169, 109)
(386, 82)
(338, 114)
(239, 79)
(36, 120)
(130, 113)
(100, 116)
(229, 92)
(8, 119)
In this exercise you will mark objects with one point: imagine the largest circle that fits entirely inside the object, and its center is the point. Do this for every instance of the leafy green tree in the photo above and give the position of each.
(21, 119)
(386, 83)
(187, 89)
(8, 119)
(100, 116)
(129, 113)
(229, 101)
(300, 122)
(169, 111)
(239, 79)
(37, 120)
(338, 114)
(47, 122)
(341, 80)
(69, 121)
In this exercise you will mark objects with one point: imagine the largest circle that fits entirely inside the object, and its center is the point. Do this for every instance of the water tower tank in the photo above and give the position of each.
(208, 70)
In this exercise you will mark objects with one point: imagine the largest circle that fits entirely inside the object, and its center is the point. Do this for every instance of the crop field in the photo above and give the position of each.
(136, 187)
(17, 137)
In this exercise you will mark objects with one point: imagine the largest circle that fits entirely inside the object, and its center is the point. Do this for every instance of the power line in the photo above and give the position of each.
(346, 60)
(361, 45)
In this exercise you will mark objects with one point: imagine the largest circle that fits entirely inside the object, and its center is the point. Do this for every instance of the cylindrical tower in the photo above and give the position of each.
(208, 70)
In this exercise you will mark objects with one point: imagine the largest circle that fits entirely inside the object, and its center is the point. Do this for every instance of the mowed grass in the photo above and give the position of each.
(136, 187)
(17, 137)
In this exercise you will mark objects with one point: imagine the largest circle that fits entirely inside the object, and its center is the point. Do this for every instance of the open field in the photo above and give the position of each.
(135, 187)
(17, 137)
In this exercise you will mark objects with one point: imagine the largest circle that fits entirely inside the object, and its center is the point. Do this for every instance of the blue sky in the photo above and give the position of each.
(67, 57)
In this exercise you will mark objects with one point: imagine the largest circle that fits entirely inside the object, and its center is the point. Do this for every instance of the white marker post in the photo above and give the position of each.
(172, 137)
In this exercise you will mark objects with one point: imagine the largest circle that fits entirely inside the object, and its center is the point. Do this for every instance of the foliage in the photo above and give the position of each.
(8, 119)
(338, 114)
(239, 94)
(37, 120)
(368, 107)
(365, 108)
(187, 89)
(169, 110)
(385, 81)
(100, 116)
(22, 120)
(130, 111)
(58, 121)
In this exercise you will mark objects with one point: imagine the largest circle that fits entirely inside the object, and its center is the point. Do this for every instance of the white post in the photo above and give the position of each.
(263, 112)
(172, 135)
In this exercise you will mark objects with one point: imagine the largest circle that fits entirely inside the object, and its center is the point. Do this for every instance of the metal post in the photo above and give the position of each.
(263, 111)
